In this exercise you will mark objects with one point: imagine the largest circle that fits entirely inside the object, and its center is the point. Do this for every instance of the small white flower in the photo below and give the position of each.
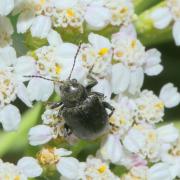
(139, 172)
(134, 141)
(5, 32)
(111, 149)
(122, 118)
(132, 61)
(109, 12)
(149, 108)
(6, 6)
(69, 14)
(40, 134)
(97, 169)
(170, 95)
(35, 15)
(162, 17)
(159, 171)
(12, 85)
(30, 167)
(26, 167)
(168, 133)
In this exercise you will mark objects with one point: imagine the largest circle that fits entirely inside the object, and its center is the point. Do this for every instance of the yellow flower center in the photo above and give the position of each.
(103, 51)
(123, 10)
(119, 54)
(70, 12)
(17, 178)
(133, 43)
(152, 136)
(58, 69)
(122, 120)
(42, 2)
(159, 105)
(47, 157)
(102, 169)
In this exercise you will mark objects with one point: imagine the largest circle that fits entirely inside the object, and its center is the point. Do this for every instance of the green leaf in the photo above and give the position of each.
(9, 139)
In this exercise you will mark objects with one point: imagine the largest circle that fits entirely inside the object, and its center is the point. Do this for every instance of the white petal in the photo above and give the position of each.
(97, 17)
(169, 95)
(41, 26)
(40, 134)
(128, 31)
(67, 51)
(98, 41)
(136, 81)
(6, 25)
(40, 89)
(65, 4)
(62, 152)
(176, 34)
(103, 87)
(6, 6)
(152, 66)
(10, 117)
(168, 133)
(22, 94)
(25, 66)
(30, 167)
(120, 78)
(7, 56)
(68, 167)
(159, 171)
(54, 38)
(154, 70)
(161, 17)
(134, 141)
(111, 149)
(25, 21)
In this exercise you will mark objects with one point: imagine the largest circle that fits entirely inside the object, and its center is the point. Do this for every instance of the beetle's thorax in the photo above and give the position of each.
(72, 93)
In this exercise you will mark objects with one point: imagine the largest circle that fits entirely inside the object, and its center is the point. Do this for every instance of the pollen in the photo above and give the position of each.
(159, 105)
(58, 69)
(133, 43)
(119, 54)
(103, 51)
(102, 169)
(70, 12)
(123, 120)
(42, 2)
(17, 178)
(152, 136)
(47, 157)
(123, 10)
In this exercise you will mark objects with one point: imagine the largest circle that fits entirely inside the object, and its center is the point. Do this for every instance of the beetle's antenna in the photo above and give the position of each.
(75, 57)
(34, 76)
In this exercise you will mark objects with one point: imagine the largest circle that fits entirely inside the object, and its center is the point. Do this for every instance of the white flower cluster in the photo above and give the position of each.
(119, 64)
(164, 16)
(41, 15)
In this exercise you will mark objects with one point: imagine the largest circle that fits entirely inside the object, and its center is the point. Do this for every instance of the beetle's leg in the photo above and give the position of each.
(54, 105)
(100, 95)
(67, 130)
(108, 106)
(91, 83)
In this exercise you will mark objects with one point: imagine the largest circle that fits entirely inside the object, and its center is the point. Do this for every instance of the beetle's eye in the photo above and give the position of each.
(74, 81)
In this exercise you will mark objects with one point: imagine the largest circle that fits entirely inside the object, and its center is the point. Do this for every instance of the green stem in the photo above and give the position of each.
(9, 140)
(147, 33)
(142, 5)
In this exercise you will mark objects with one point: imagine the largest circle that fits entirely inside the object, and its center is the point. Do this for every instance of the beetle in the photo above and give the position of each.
(84, 111)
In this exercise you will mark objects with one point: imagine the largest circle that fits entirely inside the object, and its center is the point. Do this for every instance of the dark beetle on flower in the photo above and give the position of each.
(84, 111)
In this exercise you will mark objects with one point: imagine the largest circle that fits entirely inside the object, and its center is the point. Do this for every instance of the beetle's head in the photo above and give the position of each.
(72, 92)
